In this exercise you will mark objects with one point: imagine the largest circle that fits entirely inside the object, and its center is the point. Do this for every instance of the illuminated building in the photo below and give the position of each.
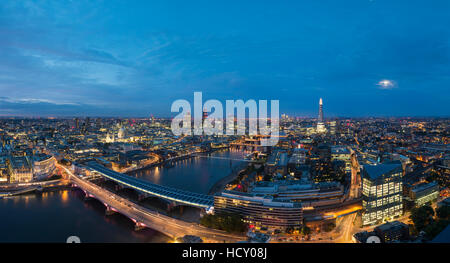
(109, 138)
(311, 194)
(77, 123)
(204, 115)
(20, 170)
(296, 164)
(277, 163)
(320, 124)
(422, 193)
(3, 170)
(382, 189)
(323, 168)
(392, 231)
(260, 211)
(342, 153)
(121, 133)
(333, 127)
(43, 165)
(188, 119)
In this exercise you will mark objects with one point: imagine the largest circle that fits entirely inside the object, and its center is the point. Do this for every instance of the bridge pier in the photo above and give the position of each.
(170, 206)
(109, 210)
(141, 197)
(87, 196)
(139, 226)
(118, 187)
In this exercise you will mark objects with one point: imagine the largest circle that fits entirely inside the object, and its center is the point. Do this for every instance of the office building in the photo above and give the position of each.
(20, 170)
(382, 189)
(342, 153)
(260, 211)
(423, 193)
(312, 195)
(43, 166)
(392, 232)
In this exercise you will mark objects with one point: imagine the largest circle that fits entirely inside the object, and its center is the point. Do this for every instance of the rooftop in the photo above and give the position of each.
(266, 200)
(377, 170)
(423, 186)
(390, 225)
(340, 150)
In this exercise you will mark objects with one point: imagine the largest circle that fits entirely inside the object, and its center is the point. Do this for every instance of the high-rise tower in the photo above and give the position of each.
(320, 125)
(204, 115)
(320, 110)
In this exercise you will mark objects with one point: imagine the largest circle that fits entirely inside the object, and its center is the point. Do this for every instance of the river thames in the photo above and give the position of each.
(54, 216)
(196, 174)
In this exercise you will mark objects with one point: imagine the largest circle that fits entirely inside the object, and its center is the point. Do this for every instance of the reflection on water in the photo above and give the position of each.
(65, 196)
(54, 216)
(196, 174)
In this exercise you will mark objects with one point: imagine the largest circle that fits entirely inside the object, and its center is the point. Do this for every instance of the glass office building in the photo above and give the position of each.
(382, 189)
(424, 193)
(260, 211)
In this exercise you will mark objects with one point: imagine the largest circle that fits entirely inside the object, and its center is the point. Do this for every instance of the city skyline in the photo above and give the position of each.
(303, 123)
(319, 116)
(133, 60)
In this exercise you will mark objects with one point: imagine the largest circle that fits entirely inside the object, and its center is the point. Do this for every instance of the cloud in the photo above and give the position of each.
(36, 106)
(386, 84)
(91, 57)
(33, 107)
(34, 101)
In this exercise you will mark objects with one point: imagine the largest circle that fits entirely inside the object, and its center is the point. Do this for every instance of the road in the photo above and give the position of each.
(343, 233)
(152, 219)
(348, 229)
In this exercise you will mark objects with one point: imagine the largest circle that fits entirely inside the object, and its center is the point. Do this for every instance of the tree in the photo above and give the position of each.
(329, 227)
(443, 212)
(433, 229)
(225, 221)
(306, 230)
(421, 217)
(423, 220)
(289, 230)
(267, 177)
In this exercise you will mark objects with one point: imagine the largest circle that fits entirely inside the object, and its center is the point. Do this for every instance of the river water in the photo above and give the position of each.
(196, 174)
(54, 216)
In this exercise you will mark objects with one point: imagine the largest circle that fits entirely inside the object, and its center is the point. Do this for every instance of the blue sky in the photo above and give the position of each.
(134, 58)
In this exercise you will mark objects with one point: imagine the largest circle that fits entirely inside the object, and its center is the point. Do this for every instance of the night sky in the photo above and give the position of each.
(133, 58)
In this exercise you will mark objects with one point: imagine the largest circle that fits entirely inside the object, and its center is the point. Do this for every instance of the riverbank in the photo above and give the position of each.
(173, 159)
(197, 173)
(25, 188)
(220, 185)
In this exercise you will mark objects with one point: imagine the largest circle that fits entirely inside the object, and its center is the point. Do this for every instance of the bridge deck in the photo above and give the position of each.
(173, 194)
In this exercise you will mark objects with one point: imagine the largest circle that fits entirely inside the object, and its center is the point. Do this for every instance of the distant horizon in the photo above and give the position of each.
(169, 117)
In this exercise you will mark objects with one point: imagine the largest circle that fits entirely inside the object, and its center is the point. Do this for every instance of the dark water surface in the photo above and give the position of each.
(197, 174)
